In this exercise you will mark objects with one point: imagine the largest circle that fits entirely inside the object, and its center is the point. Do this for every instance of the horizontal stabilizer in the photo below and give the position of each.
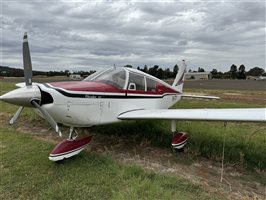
(199, 96)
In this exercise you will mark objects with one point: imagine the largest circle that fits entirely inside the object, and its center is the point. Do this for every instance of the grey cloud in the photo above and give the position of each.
(89, 34)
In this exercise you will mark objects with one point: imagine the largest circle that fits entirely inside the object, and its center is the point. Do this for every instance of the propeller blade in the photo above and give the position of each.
(48, 117)
(27, 61)
(15, 117)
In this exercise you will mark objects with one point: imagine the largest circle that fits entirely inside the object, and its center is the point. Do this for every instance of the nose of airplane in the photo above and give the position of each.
(22, 96)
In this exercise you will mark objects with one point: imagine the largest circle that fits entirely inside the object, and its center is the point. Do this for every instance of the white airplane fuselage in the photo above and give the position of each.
(79, 108)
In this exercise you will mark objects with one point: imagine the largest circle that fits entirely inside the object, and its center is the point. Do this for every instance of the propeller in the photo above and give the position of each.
(15, 117)
(29, 95)
(48, 117)
(27, 61)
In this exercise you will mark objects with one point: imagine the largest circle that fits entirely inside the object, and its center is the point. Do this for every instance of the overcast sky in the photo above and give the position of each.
(97, 34)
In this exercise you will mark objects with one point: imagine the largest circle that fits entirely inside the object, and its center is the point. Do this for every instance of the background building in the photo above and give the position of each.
(198, 75)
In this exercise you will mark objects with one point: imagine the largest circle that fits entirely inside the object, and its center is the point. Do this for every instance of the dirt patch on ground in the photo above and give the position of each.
(237, 182)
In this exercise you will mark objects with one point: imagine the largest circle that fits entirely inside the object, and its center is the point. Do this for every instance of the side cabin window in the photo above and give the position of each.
(151, 85)
(136, 82)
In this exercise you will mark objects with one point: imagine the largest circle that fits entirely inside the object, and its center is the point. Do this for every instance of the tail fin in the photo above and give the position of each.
(179, 79)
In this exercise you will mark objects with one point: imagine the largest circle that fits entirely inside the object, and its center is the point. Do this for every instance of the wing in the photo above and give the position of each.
(234, 114)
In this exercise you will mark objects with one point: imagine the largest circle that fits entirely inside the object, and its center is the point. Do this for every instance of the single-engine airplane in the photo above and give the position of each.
(110, 96)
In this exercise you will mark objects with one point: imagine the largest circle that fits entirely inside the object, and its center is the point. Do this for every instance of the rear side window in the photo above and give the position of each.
(151, 85)
(136, 82)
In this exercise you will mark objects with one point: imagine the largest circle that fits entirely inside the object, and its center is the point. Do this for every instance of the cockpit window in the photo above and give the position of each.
(136, 82)
(115, 77)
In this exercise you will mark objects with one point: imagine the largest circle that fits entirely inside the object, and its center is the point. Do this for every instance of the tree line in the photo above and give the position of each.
(238, 73)
(161, 73)
(233, 73)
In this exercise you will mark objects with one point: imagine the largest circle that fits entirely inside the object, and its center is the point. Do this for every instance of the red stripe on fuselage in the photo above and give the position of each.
(86, 86)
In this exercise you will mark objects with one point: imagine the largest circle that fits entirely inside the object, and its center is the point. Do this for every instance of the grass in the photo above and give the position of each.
(26, 173)
(245, 142)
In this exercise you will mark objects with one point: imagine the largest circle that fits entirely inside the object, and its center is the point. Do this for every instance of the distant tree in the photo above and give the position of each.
(201, 70)
(216, 74)
(226, 75)
(233, 71)
(145, 69)
(160, 73)
(138, 68)
(67, 72)
(153, 71)
(214, 71)
(189, 70)
(91, 72)
(129, 66)
(168, 73)
(175, 71)
(256, 71)
(241, 72)
(241, 68)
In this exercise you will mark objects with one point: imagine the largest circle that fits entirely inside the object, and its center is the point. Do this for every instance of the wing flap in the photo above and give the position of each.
(234, 114)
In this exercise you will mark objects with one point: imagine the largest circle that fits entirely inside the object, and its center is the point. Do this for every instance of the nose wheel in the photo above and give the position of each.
(69, 147)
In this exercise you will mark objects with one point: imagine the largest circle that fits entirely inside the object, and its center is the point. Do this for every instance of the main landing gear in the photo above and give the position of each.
(179, 139)
(69, 147)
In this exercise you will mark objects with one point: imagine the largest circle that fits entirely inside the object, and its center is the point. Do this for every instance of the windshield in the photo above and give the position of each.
(92, 76)
(115, 77)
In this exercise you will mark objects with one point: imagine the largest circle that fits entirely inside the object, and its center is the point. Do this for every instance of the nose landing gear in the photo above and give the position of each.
(69, 147)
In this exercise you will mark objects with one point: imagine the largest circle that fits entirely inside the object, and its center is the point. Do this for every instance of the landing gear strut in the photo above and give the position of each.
(73, 134)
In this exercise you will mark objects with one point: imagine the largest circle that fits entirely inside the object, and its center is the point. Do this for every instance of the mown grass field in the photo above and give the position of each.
(26, 173)
(245, 142)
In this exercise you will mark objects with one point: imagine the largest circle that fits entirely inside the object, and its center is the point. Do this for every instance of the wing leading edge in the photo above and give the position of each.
(233, 114)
